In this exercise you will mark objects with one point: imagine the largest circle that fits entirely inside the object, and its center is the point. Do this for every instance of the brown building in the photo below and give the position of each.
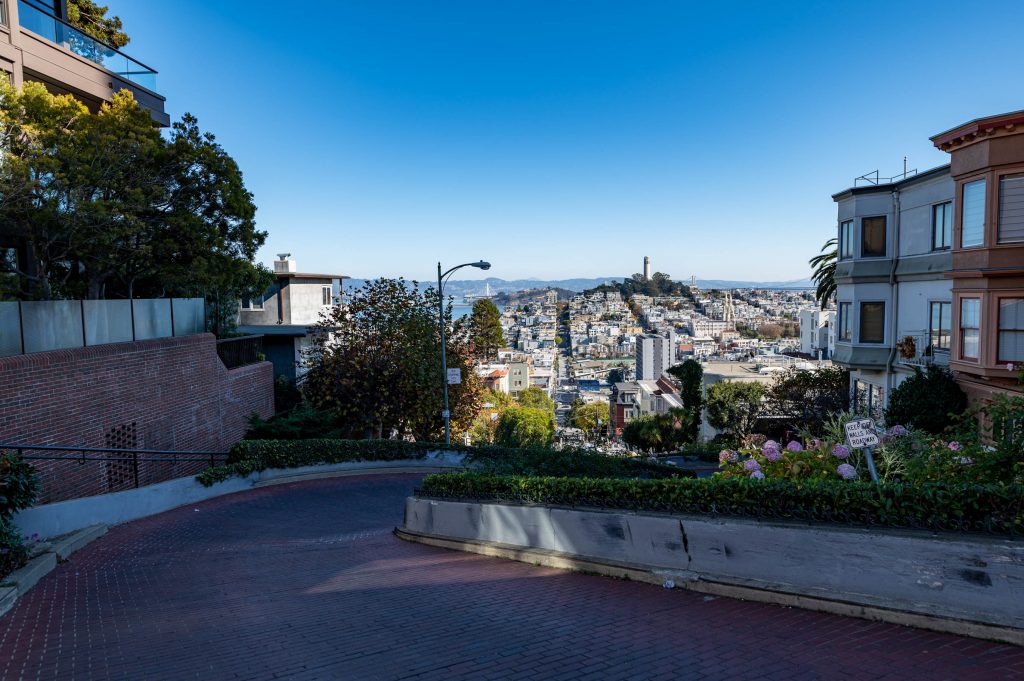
(987, 165)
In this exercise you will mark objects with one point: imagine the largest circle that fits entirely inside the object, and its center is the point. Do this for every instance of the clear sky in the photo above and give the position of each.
(571, 138)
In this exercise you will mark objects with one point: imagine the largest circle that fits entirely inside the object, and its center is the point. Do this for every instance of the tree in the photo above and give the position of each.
(824, 266)
(493, 405)
(110, 208)
(617, 375)
(691, 377)
(809, 398)
(771, 331)
(536, 398)
(734, 407)
(591, 418)
(930, 401)
(525, 427)
(92, 19)
(661, 432)
(485, 329)
(375, 365)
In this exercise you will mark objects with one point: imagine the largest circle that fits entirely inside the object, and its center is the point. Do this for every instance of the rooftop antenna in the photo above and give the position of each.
(904, 166)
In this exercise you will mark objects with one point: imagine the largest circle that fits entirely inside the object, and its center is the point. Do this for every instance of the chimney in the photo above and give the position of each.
(284, 264)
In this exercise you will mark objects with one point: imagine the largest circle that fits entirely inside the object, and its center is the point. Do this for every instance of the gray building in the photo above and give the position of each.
(287, 313)
(655, 354)
(893, 298)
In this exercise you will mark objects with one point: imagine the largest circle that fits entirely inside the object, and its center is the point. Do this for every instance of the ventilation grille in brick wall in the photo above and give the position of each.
(121, 474)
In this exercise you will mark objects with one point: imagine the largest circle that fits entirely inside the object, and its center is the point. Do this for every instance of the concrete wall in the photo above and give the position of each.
(305, 300)
(167, 394)
(977, 579)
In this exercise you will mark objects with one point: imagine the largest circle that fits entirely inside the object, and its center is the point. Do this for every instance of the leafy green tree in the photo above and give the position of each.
(734, 407)
(111, 208)
(525, 427)
(691, 377)
(493, 405)
(929, 400)
(591, 418)
(616, 376)
(375, 365)
(809, 398)
(536, 398)
(485, 329)
(824, 266)
(661, 432)
(92, 19)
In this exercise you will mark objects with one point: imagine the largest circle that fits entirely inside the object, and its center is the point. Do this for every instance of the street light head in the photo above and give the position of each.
(482, 265)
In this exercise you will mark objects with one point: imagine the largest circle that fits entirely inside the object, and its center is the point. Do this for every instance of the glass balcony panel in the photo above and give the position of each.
(70, 38)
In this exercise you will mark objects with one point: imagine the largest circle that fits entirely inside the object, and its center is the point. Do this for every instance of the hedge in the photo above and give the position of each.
(250, 456)
(932, 506)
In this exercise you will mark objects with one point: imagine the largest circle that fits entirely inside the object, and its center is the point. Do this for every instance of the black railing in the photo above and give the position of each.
(241, 351)
(83, 455)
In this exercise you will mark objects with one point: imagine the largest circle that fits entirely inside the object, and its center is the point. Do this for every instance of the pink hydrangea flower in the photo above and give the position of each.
(795, 446)
(771, 444)
(757, 475)
(841, 452)
(954, 446)
(727, 456)
(846, 471)
(751, 465)
(814, 443)
(897, 431)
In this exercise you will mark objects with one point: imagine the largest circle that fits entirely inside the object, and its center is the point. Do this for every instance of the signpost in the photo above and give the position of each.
(454, 376)
(860, 434)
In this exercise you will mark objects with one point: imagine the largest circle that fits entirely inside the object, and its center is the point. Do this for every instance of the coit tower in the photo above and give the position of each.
(647, 268)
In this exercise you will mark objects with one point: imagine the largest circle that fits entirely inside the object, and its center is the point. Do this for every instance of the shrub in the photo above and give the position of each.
(807, 398)
(525, 427)
(18, 485)
(250, 456)
(13, 550)
(304, 422)
(934, 506)
(734, 407)
(928, 400)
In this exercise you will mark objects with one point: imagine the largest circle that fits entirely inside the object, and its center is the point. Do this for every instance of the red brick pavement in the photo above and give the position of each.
(305, 582)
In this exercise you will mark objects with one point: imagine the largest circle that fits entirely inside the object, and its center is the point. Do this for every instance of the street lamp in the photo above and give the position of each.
(441, 278)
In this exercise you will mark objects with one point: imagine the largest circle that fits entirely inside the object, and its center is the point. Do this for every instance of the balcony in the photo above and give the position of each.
(914, 349)
(56, 31)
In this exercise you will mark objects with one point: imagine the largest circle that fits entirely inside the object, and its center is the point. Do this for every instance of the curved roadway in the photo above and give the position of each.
(305, 581)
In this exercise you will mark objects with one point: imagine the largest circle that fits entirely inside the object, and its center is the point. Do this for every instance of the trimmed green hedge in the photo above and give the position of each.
(250, 456)
(933, 506)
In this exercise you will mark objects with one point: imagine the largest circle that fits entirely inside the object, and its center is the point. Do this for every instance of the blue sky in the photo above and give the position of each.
(565, 139)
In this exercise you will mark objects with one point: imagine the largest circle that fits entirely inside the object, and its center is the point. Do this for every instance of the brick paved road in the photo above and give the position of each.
(305, 581)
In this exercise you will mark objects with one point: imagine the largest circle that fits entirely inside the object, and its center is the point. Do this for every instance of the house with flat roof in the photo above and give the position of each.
(288, 312)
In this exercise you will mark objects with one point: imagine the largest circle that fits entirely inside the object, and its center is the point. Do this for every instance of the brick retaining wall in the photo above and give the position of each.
(168, 393)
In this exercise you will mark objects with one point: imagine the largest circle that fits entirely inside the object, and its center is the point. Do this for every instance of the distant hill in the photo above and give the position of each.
(476, 286)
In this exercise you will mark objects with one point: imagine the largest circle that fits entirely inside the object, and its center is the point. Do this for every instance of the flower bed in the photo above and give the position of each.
(932, 506)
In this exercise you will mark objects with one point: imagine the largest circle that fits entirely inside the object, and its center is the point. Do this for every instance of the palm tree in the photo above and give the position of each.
(824, 265)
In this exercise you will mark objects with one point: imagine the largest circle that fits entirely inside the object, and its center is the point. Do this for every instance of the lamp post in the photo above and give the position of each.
(441, 278)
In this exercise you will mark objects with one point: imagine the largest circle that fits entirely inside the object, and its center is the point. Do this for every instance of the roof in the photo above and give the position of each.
(276, 329)
(890, 186)
(303, 275)
(979, 127)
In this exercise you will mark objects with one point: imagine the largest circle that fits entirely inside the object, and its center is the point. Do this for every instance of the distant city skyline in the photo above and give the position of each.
(571, 139)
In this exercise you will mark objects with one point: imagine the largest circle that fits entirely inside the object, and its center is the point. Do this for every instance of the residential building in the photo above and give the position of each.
(893, 297)
(818, 333)
(631, 399)
(987, 252)
(518, 377)
(655, 354)
(288, 312)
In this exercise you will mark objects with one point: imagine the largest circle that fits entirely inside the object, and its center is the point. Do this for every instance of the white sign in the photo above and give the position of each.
(861, 433)
(454, 376)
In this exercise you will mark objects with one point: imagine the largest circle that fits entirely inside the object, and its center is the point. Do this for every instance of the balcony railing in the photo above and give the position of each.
(240, 351)
(53, 29)
(914, 349)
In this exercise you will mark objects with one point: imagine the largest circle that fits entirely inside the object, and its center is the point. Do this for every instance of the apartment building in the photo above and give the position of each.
(818, 333)
(631, 399)
(987, 249)
(655, 354)
(893, 298)
(286, 314)
(931, 268)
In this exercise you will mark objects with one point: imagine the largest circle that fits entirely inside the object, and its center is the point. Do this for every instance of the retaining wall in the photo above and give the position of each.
(168, 394)
(970, 585)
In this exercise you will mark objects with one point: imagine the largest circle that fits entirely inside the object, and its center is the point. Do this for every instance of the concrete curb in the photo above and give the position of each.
(692, 582)
(21, 580)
